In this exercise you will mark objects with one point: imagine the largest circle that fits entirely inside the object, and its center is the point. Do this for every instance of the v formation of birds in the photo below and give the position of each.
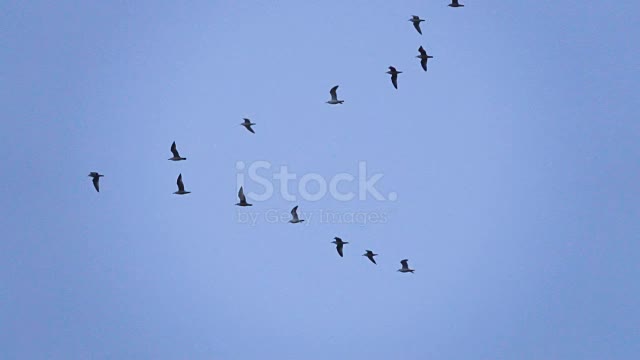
(247, 123)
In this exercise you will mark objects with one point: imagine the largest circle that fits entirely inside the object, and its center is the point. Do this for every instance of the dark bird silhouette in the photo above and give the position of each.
(181, 187)
(415, 19)
(394, 76)
(369, 254)
(339, 244)
(294, 216)
(247, 124)
(405, 266)
(243, 199)
(96, 180)
(334, 96)
(423, 58)
(455, 3)
(176, 155)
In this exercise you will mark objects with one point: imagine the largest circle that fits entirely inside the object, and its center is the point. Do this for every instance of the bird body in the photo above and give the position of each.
(294, 216)
(243, 199)
(405, 267)
(247, 124)
(394, 76)
(176, 155)
(96, 180)
(334, 96)
(369, 254)
(181, 190)
(415, 19)
(423, 58)
(339, 244)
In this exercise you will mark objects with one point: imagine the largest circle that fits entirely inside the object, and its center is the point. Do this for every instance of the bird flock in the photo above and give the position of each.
(247, 123)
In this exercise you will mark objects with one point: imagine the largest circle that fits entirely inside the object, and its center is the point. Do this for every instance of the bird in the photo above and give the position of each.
(369, 254)
(294, 215)
(455, 3)
(423, 57)
(394, 76)
(334, 96)
(176, 155)
(243, 199)
(405, 266)
(339, 244)
(181, 187)
(415, 19)
(96, 180)
(247, 124)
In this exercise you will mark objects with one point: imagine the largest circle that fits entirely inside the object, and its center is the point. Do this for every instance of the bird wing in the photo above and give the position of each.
(294, 212)
(416, 24)
(394, 80)
(339, 248)
(174, 150)
(96, 183)
(250, 129)
(241, 195)
(180, 183)
(423, 62)
(372, 259)
(423, 53)
(454, 2)
(334, 92)
(247, 121)
(405, 264)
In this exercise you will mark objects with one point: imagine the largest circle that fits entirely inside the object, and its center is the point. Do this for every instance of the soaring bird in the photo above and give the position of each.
(405, 266)
(455, 3)
(334, 96)
(339, 244)
(294, 215)
(394, 76)
(247, 124)
(181, 187)
(423, 58)
(415, 19)
(96, 180)
(369, 254)
(176, 155)
(243, 199)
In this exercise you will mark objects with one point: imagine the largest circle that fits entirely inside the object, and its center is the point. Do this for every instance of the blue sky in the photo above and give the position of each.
(515, 159)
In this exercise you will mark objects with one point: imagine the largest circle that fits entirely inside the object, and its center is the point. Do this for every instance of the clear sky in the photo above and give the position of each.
(515, 160)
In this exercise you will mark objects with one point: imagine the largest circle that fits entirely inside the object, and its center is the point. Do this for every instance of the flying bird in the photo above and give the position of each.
(96, 180)
(369, 254)
(455, 3)
(294, 215)
(176, 155)
(415, 19)
(181, 187)
(243, 199)
(334, 96)
(405, 266)
(423, 58)
(247, 124)
(339, 244)
(394, 76)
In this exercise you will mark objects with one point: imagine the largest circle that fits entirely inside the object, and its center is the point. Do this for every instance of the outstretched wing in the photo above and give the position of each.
(241, 195)
(96, 183)
(294, 212)
(394, 80)
(416, 24)
(405, 264)
(334, 92)
(180, 183)
(174, 150)
(339, 248)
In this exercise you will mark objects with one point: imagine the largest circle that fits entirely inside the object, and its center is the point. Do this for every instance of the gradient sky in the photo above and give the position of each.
(515, 159)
